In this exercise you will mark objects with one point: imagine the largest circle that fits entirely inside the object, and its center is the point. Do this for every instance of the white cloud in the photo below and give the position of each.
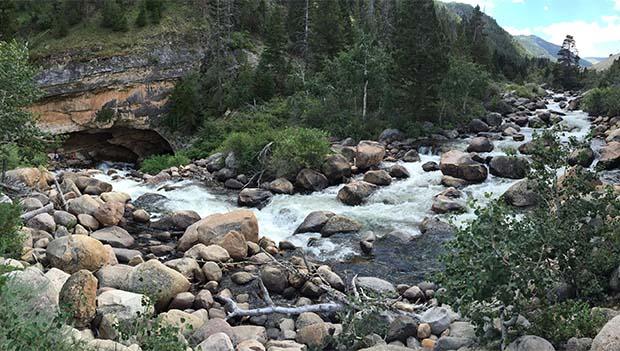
(485, 5)
(519, 31)
(522, 1)
(546, 8)
(617, 5)
(593, 38)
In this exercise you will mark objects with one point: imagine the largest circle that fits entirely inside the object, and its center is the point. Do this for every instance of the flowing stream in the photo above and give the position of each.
(398, 208)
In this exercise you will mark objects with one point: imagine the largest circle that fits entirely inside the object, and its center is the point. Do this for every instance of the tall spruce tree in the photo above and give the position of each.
(273, 67)
(476, 38)
(567, 72)
(327, 31)
(421, 60)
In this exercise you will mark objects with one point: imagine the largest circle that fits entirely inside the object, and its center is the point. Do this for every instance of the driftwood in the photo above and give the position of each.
(63, 203)
(9, 187)
(45, 209)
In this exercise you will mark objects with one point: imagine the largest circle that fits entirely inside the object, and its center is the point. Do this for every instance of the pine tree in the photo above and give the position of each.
(272, 68)
(141, 19)
(421, 60)
(8, 19)
(327, 31)
(476, 38)
(113, 16)
(155, 9)
(567, 72)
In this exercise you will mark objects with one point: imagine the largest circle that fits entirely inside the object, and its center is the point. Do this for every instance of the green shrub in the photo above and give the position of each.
(568, 319)
(463, 90)
(25, 329)
(104, 115)
(508, 258)
(156, 163)
(297, 148)
(247, 146)
(185, 104)
(114, 16)
(528, 90)
(603, 102)
(11, 240)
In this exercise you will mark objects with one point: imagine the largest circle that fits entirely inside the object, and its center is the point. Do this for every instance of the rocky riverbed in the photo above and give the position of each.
(197, 237)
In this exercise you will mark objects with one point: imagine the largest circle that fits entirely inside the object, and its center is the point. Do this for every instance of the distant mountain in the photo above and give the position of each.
(539, 47)
(606, 63)
(595, 60)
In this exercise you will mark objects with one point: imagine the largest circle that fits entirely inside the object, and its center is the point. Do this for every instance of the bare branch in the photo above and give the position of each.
(235, 311)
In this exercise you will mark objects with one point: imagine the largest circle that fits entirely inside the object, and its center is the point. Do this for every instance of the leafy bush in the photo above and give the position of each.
(247, 146)
(157, 163)
(186, 104)
(11, 240)
(104, 115)
(528, 90)
(603, 102)
(503, 260)
(114, 16)
(297, 148)
(565, 320)
(25, 329)
(463, 90)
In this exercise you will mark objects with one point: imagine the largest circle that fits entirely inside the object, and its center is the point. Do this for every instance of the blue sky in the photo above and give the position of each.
(594, 23)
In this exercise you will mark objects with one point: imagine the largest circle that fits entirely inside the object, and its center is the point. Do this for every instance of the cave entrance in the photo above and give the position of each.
(113, 144)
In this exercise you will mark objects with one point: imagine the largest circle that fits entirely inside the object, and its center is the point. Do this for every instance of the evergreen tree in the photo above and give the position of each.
(155, 9)
(113, 16)
(272, 68)
(297, 25)
(421, 60)
(476, 38)
(141, 19)
(8, 19)
(327, 31)
(567, 71)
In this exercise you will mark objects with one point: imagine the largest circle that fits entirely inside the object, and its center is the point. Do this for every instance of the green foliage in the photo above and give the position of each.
(141, 20)
(186, 104)
(152, 334)
(23, 328)
(529, 91)
(463, 91)
(503, 258)
(17, 91)
(11, 240)
(114, 16)
(104, 115)
(359, 322)
(156, 163)
(297, 148)
(602, 101)
(565, 320)
(247, 146)
(155, 9)
(8, 19)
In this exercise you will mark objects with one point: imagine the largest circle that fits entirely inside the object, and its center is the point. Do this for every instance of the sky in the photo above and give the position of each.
(595, 24)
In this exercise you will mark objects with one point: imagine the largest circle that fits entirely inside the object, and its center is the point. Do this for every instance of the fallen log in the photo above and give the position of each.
(235, 311)
(28, 215)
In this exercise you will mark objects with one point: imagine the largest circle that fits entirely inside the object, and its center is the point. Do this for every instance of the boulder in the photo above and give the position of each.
(430, 166)
(154, 279)
(87, 221)
(339, 224)
(399, 172)
(30, 204)
(57, 278)
(391, 135)
(331, 278)
(44, 295)
(116, 276)
(509, 167)
(141, 216)
(401, 328)
(31, 177)
(124, 305)
(210, 228)
(461, 165)
(216, 342)
(480, 144)
(316, 335)
(281, 186)
(439, 318)
(368, 154)
(477, 126)
(311, 180)
(336, 168)
(235, 243)
(608, 338)
(253, 197)
(185, 322)
(233, 183)
(314, 222)
(530, 343)
(212, 326)
(177, 220)
(493, 119)
(115, 196)
(583, 157)
(114, 236)
(78, 298)
(448, 200)
(411, 156)
(65, 219)
(75, 252)
(378, 177)
(212, 271)
(375, 284)
(84, 204)
(187, 266)
(610, 156)
(355, 193)
(275, 278)
(521, 194)
(43, 221)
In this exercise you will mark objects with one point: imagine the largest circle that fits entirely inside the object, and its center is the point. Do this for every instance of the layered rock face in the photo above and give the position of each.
(110, 107)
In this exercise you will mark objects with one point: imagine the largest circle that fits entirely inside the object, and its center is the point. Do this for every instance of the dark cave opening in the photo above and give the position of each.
(114, 144)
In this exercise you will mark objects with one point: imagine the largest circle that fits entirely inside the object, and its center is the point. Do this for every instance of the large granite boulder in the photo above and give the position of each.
(154, 279)
(75, 252)
(368, 154)
(461, 165)
(355, 193)
(209, 229)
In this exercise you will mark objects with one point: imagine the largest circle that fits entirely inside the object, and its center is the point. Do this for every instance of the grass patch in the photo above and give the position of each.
(157, 163)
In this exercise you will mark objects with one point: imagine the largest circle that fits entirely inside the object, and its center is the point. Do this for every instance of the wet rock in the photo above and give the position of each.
(448, 201)
(610, 156)
(281, 186)
(375, 284)
(76, 252)
(378, 177)
(78, 298)
(154, 279)
(480, 144)
(151, 202)
(110, 213)
(355, 193)
(210, 228)
(311, 180)
(339, 224)
(531, 343)
(509, 167)
(314, 222)
(368, 154)
(521, 194)
(583, 157)
(336, 168)
(399, 172)
(253, 197)
(401, 328)
(608, 338)
(114, 236)
(367, 242)
(391, 135)
(430, 166)
(411, 156)
(233, 184)
(461, 165)
(141, 216)
(177, 220)
(476, 126)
